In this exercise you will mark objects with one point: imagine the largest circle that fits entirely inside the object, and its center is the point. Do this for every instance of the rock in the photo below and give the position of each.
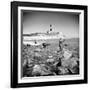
(62, 70)
(29, 61)
(40, 70)
(37, 54)
(45, 70)
(37, 50)
(74, 70)
(60, 54)
(24, 62)
(50, 60)
(72, 62)
(36, 70)
(67, 54)
(50, 56)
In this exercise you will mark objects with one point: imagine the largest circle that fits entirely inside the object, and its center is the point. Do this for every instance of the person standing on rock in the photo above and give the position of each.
(60, 43)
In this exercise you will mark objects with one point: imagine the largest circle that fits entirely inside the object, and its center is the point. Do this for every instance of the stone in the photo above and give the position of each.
(72, 62)
(50, 60)
(36, 70)
(40, 70)
(37, 50)
(63, 70)
(67, 54)
(37, 54)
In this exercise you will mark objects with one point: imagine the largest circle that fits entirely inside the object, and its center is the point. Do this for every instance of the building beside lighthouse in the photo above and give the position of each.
(39, 38)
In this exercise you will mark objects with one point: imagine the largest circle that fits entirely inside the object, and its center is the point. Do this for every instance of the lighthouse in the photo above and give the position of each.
(50, 27)
(39, 38)
(50, 30)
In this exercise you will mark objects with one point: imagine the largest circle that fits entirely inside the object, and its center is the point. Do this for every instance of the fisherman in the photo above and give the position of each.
(60, 43)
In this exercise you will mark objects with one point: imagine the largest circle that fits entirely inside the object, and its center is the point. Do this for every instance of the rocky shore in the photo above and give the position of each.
(50, 60)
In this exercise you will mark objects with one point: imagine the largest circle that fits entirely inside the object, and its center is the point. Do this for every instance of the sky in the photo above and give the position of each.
(39, 21)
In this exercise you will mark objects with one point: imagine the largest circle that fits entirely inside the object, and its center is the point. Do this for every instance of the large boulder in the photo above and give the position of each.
(67, 54)
(40, 70)
(36, 70)
(45, 70)
(72, 62)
